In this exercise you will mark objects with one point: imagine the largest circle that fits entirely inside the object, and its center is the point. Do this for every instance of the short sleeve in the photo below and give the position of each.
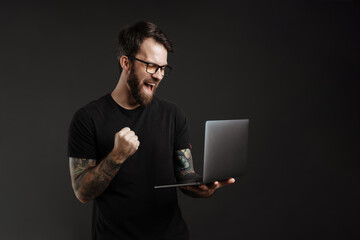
(81, 141)
(182, 139)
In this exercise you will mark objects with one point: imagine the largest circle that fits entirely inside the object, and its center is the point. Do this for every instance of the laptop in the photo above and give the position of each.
(225, 151)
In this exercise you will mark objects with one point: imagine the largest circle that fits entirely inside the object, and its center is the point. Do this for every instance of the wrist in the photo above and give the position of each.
(115, 160)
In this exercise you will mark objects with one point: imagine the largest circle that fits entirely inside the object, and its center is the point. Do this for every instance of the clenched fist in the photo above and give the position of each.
(125, 144)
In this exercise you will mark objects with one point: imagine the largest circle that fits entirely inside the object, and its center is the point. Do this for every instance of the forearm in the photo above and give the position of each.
(183, 163)
(90, 180)
(184, 169)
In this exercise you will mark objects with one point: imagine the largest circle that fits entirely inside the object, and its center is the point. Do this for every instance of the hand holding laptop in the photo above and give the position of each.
(206, 190)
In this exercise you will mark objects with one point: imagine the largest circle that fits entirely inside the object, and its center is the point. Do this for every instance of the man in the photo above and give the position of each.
(123, 144)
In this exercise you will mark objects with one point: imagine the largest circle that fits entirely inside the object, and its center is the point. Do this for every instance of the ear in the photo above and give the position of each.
(125, 63)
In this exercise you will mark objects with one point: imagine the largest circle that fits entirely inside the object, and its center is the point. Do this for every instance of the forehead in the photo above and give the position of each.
(153, 51)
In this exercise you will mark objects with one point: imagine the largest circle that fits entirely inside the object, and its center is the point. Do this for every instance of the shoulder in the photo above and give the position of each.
(94, 108)
(170, 109)
(97, 106)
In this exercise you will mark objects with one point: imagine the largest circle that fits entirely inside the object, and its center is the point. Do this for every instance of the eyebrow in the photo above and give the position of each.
(155, 63)
(146, 62)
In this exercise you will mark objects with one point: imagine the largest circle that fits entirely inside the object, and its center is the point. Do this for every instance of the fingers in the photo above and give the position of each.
(124, 131)
(207, 190)
(212, 186)
(128, 135)
(203, 187)
(227, 182)
(126, 143)
(216, 185)
(136, 142)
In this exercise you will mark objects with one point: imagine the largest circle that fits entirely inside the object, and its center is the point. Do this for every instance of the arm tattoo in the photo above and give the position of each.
(183, 162)
(78, 165)
(90, 180)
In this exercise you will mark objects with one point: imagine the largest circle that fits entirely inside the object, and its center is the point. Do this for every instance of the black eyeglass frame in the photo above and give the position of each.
(157, 66)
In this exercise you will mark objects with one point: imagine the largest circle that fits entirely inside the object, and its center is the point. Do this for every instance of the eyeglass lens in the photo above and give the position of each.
(152, 68)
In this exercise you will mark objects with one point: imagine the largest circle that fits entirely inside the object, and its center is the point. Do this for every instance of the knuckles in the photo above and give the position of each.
(127, 137)
(125, 129)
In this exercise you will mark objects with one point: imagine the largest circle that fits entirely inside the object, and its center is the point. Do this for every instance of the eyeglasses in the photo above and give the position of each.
(152, 67)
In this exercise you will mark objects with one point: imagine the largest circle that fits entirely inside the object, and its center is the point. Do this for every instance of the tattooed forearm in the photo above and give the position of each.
(90, 180)
(78, 165)
(183, 162)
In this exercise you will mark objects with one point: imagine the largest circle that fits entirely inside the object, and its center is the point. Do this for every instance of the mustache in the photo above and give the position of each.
(151, 80)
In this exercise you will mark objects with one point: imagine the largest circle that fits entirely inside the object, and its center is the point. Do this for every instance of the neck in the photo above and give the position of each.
(122, 95)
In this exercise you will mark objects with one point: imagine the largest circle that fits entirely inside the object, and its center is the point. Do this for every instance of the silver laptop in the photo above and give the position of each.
(224, 152)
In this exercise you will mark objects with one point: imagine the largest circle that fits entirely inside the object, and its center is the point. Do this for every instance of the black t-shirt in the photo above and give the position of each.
(130, 208)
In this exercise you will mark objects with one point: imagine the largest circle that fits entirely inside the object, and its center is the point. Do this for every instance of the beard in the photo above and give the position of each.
(136, 89)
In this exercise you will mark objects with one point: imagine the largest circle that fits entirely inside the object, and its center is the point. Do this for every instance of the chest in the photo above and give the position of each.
(155, 130)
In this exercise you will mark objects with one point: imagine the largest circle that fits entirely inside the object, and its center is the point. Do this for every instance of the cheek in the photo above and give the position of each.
(141, 77)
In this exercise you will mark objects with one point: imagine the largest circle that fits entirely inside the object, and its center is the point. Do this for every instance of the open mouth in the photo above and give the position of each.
(150, 85)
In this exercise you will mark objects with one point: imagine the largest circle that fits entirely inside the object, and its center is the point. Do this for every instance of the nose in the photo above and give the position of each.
(157, 75)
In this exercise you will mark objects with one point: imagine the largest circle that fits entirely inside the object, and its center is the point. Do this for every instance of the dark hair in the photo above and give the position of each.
(131, 38)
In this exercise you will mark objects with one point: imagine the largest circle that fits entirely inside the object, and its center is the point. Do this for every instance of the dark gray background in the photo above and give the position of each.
(292, 67)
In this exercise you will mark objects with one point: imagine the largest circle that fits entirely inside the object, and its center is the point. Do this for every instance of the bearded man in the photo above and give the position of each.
(126, 142)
